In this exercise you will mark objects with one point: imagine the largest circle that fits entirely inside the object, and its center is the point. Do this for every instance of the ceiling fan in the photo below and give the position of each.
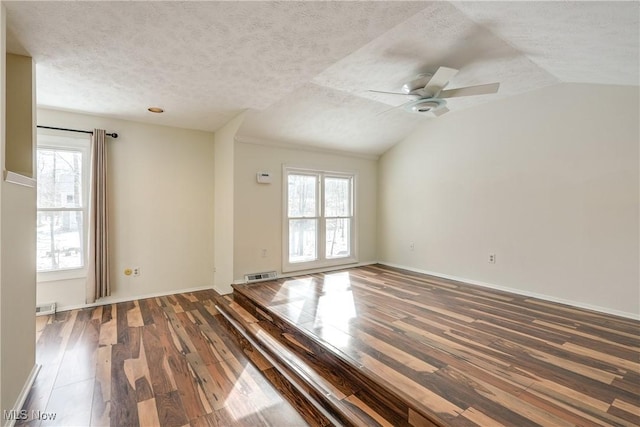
(430, 93)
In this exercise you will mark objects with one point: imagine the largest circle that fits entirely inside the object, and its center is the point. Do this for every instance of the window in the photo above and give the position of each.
(63, 176)
(319, 219)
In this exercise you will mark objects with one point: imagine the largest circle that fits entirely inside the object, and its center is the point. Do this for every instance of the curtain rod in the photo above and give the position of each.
(112, 135)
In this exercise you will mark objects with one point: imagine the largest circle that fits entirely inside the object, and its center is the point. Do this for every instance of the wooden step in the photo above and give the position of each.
(454, 353)
(320, 398)
(390, 402)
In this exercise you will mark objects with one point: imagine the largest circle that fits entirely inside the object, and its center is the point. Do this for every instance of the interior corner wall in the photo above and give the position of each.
(259, 207)
(161, 209)
(223, 197)
(18, 283)
(548, 181)
(3, 115)
(17, 267)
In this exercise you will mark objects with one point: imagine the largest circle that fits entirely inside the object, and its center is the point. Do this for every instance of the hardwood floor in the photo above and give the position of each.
(373, 345)
(163, 361)
(419, 350)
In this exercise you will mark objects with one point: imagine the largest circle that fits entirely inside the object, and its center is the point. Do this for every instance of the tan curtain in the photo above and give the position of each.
(98, 275)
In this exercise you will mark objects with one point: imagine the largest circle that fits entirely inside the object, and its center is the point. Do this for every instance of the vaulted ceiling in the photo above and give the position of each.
(303, 70)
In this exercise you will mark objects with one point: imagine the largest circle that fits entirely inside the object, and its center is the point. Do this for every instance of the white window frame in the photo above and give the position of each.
(321, 260)
(45, 140)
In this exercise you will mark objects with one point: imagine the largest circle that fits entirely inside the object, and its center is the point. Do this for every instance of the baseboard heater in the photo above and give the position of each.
(44, 309)
(260, 277)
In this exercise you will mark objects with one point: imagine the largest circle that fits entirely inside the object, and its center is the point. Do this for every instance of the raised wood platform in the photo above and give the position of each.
(381, 346)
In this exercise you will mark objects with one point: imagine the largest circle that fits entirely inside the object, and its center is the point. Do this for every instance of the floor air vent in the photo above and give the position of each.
(259, 277)
(44, 309)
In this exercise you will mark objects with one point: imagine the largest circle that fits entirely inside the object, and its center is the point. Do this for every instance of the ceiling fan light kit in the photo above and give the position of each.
(424, 105)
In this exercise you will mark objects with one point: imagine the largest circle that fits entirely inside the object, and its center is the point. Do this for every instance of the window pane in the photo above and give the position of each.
(303, 240)
(59, 178)
(338, 237)
(59, 240)
(302, 195)
(337, 197)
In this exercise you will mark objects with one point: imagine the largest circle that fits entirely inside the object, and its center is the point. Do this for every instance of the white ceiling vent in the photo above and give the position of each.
(260, 277)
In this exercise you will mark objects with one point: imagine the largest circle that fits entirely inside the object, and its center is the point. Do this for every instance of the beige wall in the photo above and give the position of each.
(258, 207)
(3, 120)
(17, 264)
(18, 283)
(19, 130)
(224, 214)
(548, 181)
(161, 213)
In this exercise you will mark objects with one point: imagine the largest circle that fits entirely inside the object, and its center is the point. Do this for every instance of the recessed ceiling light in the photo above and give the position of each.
(155, 109)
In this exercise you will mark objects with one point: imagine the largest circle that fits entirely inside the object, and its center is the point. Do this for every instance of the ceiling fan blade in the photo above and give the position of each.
(439, 80)
(388, 93)
(440, 111)
(470, 90)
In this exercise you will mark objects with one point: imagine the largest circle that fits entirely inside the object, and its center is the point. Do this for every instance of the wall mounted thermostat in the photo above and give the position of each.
(264, 177)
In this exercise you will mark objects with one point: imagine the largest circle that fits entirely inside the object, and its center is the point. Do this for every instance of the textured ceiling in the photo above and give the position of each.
(303, 68)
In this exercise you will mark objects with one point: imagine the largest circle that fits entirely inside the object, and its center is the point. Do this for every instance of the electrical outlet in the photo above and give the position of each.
(412, 246)
(492, 258)
(136, 271)
(264, 253)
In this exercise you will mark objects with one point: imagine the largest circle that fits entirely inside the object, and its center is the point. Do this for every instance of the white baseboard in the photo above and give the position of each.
(550, 298)
(316, 270)
(634, 316)
(22, 397)
(115, 300)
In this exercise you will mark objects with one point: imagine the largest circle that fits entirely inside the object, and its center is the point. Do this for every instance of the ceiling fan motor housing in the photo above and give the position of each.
(416, 84)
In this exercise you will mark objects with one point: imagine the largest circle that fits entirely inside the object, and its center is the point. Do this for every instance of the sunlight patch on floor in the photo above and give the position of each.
(243, 401)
